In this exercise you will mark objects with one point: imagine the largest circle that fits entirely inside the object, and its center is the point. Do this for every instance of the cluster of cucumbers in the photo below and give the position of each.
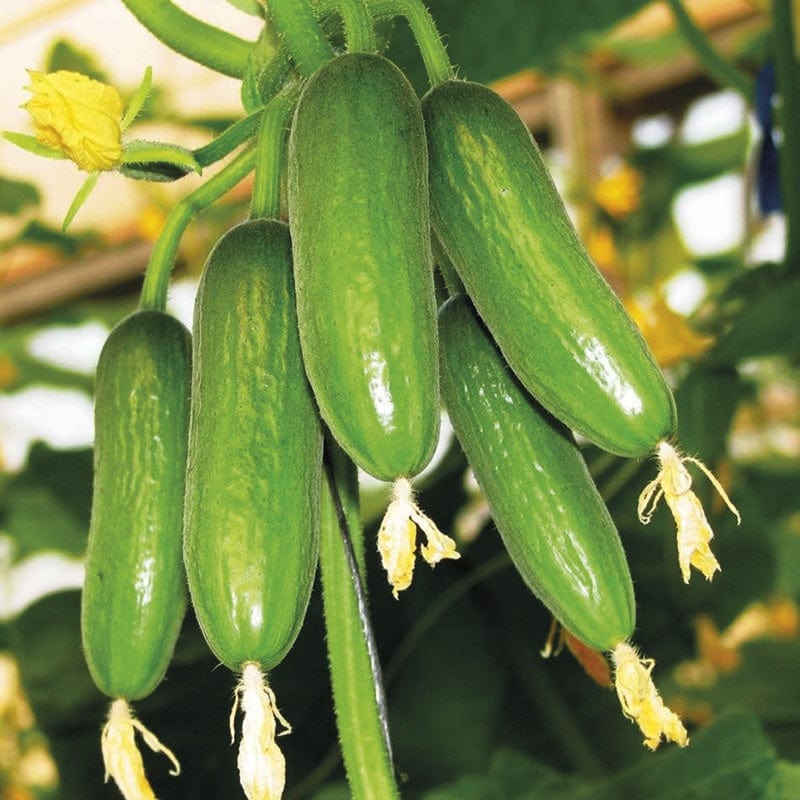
(209, 446)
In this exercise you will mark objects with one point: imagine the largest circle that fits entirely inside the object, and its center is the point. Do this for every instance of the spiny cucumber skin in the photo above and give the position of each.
(553, 522)
(251, 531)
(134, 596)
(358, 209)
(561, 328)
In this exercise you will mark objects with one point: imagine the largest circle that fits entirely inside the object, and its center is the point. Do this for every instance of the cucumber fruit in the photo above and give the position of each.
(252, 490)
(554, 523)
(134, 596)
(358, 210)
(559, 325)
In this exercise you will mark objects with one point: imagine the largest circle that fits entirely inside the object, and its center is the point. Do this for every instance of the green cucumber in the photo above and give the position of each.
(358, 210)
(561, 328)
(251, 528)
(134, 596)
(554, 523)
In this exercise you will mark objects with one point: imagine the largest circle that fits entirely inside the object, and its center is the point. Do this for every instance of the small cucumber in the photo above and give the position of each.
(134, 596)
(554, 523)
(255, 454)
(504, 227)
(358, 210)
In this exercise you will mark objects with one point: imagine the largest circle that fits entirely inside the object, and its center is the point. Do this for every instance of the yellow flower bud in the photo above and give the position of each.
(79, 116)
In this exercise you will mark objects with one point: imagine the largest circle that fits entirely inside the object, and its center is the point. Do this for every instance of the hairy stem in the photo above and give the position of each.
(162, 259)
(302, 33)
(183, 33)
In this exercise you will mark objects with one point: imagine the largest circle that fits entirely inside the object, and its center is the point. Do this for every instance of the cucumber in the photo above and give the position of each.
(358, 210)
(559, 325)
(134, 596)
(553, 522)
(255, 452)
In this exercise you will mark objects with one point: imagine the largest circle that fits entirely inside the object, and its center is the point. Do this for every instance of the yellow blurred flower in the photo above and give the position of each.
(619, 192)
(601, 247)
(79, 116)
(669, 336)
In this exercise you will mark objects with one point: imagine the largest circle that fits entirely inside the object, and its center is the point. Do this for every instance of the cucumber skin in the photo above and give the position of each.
(134, 596)
(553, 521)
(560, 326)
(358, 210)
(251, 526)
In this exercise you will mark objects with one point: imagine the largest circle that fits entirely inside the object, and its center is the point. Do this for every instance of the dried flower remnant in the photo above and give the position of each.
(397, 538)
(262, 766)
(674, 484)
(121, 757)
(641, 701)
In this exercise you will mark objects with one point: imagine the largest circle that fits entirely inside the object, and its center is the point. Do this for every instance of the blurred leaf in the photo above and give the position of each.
(785, 782)
(706, 160)
(765, 683)
(46, 507)
(730, 759)
(65, 55)
(767, 325)
(706, 400)
(487, 43)
(17, 196)
(645, 50)
(39, 233)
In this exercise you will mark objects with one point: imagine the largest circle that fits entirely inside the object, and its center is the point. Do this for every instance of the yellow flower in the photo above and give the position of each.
(674, 484)
(79, 116)
(641, 701)
(618, 193)
(601, 247)
(397, 538)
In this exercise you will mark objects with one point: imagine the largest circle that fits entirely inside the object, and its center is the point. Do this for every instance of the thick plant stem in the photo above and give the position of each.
(270, 154)
(224, 144)
(712, 61)
(355, 672)
(162, 259)
(183, 33)
(431, 47)
(786, 72)
(296, 22)
(357, 22)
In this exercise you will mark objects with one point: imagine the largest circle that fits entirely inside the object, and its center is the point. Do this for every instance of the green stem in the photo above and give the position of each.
(162, 259)
(304, 37)
(355, 672)
(228, 140)
(359, 35)
(714, 63)
(191, 37)
(270, 154)
(429, 42)
(789, 88)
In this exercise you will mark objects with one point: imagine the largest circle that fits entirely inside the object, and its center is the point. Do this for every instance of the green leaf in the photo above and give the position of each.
(46, 507)
(157, 161)
(17, 196)
(138, 100)
(80, 198)
(731, 758)
(29, 143)
(486, 42)
(40, 234)
(767, 325)
(65, 55)
(785, 783)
